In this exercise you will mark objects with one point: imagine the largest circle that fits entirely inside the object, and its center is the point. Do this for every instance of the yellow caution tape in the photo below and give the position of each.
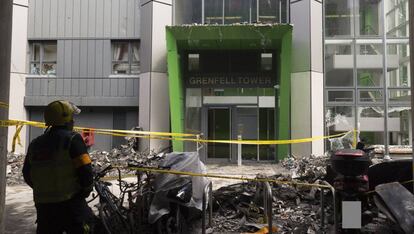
(293, 183)
(4, 105)
(171, 136)
(16, 137)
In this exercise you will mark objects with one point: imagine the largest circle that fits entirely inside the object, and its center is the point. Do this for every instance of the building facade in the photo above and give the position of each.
(225, 69)
(367, 69)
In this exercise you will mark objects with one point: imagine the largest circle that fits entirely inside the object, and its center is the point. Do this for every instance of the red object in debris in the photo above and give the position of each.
(88, 136)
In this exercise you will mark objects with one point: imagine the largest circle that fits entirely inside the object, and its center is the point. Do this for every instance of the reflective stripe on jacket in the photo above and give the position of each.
(52, 170)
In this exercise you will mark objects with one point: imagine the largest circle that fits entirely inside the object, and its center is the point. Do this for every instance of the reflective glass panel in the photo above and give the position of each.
(269, 11)
(120, 51)
(339, 65)
(338, 18)
(398, 64)
(399, 125)
(370, 65)
(397, 18)
(236, 11)
(369, 18)
(371, 123)
(49, 52)
(213, 11)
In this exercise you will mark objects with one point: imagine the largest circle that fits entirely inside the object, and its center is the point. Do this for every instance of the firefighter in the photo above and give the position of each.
(58, 169)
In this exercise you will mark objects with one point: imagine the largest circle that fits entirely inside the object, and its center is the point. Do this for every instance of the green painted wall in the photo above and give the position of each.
(230, 37)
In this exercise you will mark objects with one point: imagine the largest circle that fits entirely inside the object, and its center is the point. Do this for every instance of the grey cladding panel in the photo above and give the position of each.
(99, 58)
(29, 87)
(100, 18)
(46, 18)
(53, 18)
(83, 60)
(38, 18)
(61, 18)
(129, 92)
(91, 58)
(115, 19)
(107, 58)
(76, 18)
(52, 87)
(59, 87)
(90, 87)
(98, 87)
(67, 72)
(31, 19)
(92, 18)
(301, 36)
(60, 68)
(75, 87)
(114, 88)
(75, 58)
(121, 87)
(69, 18)
(106, 87)
(43, 87)
(67, 87)
(123, 18)
(82, 87)
(84, 18)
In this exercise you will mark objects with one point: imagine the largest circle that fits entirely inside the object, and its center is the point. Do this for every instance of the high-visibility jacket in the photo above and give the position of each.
(52, 172)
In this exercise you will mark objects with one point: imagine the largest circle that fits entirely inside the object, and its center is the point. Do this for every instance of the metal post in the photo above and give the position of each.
(322, 209)
(411, 30)
(208, 190)
(385, 68)
(239, 151)
(6, 9)
(268, 202)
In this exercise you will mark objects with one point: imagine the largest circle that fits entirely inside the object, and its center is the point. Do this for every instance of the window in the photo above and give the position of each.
(125, 57)
(43, 58)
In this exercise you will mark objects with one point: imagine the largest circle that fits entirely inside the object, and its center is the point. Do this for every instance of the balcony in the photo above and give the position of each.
(112, 91)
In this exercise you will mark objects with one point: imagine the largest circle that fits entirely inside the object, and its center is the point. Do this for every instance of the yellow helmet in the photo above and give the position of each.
(59, 113)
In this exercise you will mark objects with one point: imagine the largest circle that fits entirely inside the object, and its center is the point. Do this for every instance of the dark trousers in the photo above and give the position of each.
(73, 216)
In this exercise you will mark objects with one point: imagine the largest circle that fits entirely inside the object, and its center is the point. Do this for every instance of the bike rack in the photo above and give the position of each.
(268, 205)
(208, 193)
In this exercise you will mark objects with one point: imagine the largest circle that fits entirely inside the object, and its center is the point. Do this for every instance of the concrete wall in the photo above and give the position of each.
(307, 76)
(84, 19)
(154, 104)
(18, 70)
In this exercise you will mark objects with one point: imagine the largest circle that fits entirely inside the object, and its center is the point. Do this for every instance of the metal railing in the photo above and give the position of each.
(207, 194)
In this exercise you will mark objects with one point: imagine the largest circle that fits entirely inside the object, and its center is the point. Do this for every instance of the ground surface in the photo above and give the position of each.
(21, 214)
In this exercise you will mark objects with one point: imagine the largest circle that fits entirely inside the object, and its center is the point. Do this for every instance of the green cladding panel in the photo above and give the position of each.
(229, 37)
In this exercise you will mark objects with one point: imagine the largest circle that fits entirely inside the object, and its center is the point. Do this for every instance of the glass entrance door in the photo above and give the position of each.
(219, 128)
(246, 127)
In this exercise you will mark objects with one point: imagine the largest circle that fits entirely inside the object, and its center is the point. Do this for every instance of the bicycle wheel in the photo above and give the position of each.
(111, 220)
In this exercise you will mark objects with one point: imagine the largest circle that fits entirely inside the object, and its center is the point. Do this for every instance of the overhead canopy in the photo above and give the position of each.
(229, 36)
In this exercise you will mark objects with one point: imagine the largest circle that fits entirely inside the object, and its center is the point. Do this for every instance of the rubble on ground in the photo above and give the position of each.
(14, 174)
(309, 168)
(295, 209)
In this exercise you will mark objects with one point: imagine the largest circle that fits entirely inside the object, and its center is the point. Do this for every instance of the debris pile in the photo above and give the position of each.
(239, 208)
(309, 168)
(14, 174)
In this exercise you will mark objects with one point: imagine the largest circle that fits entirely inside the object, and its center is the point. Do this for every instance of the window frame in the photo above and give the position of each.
(41, 61)
(130, 61)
